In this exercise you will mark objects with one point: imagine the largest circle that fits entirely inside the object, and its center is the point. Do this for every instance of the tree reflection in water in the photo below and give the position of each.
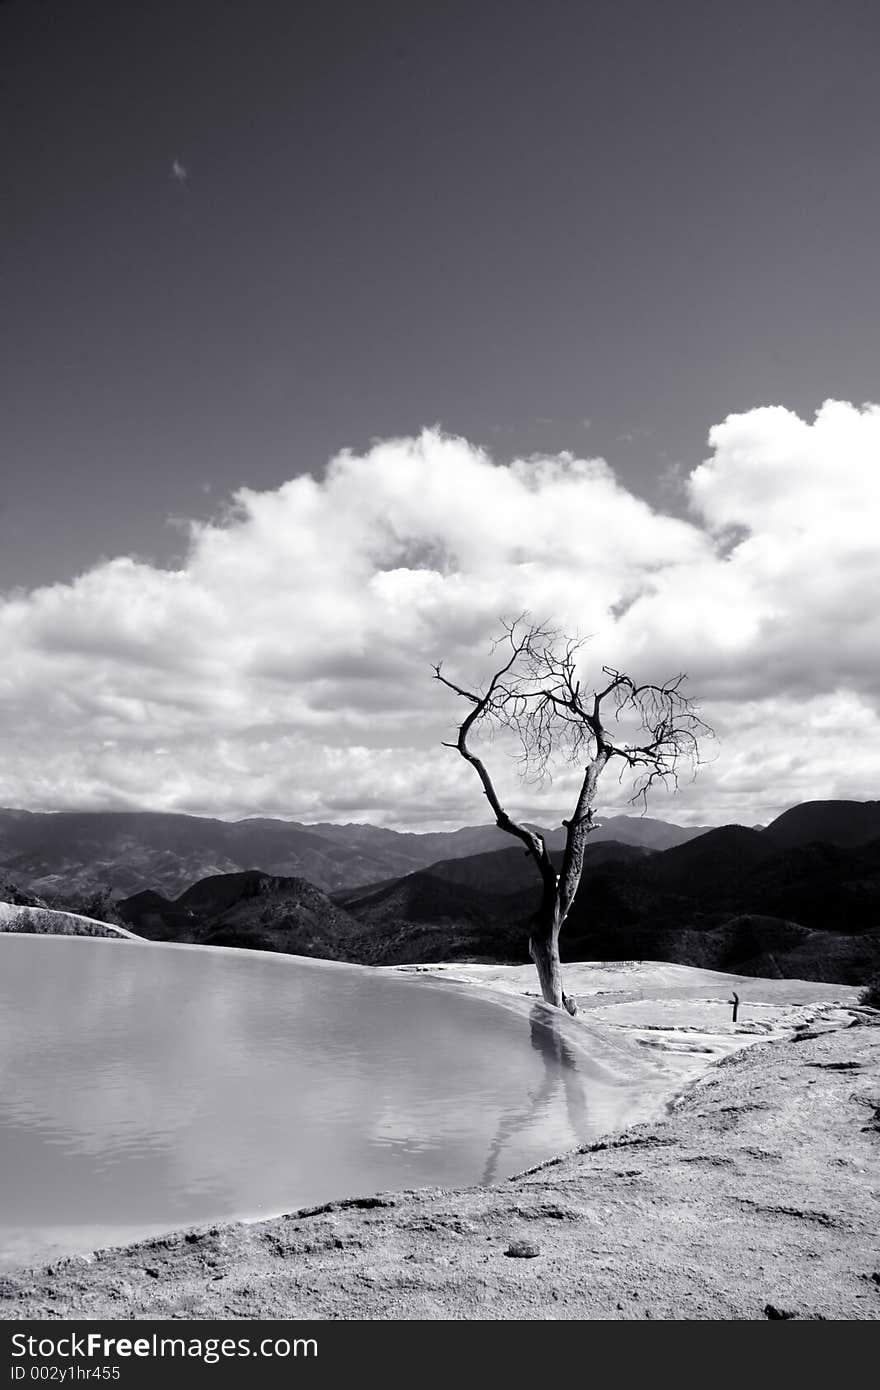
(562, 1068)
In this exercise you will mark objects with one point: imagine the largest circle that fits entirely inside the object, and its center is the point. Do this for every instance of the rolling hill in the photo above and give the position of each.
(262, 912)
(827, 822)
(728, 900)
(713, 863)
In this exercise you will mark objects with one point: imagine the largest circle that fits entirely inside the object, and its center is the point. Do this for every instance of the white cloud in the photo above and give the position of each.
(786, 601)
(285, 668)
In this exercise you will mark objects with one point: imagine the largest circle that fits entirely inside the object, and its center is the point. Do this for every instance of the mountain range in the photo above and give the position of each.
(771, 902)
(71, 857)
(800, 896)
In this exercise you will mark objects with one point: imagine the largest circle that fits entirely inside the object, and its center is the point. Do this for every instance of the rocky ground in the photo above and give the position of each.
(757, 1194)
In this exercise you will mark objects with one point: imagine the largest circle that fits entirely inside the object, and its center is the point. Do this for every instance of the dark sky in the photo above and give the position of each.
(506, 217)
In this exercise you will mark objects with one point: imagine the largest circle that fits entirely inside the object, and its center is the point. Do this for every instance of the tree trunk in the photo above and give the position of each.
(560, 890)
(544, 951)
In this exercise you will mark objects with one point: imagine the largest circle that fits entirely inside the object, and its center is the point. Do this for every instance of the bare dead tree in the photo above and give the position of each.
(537, 695)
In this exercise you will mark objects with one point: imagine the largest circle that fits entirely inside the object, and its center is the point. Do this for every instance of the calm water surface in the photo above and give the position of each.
(149, 1087)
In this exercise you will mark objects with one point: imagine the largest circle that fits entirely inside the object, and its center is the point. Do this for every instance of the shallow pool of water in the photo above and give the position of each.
(148, 1087)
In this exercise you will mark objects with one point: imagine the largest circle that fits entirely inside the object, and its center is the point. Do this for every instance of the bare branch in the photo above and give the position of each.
(497, 700)
(539, 697)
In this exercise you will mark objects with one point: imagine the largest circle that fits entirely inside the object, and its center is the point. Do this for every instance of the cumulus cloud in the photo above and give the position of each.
(284, 669)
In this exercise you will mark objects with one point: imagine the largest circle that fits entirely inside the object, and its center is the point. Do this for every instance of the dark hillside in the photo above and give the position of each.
(255, 910)
(832, 822)
(713, 862)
